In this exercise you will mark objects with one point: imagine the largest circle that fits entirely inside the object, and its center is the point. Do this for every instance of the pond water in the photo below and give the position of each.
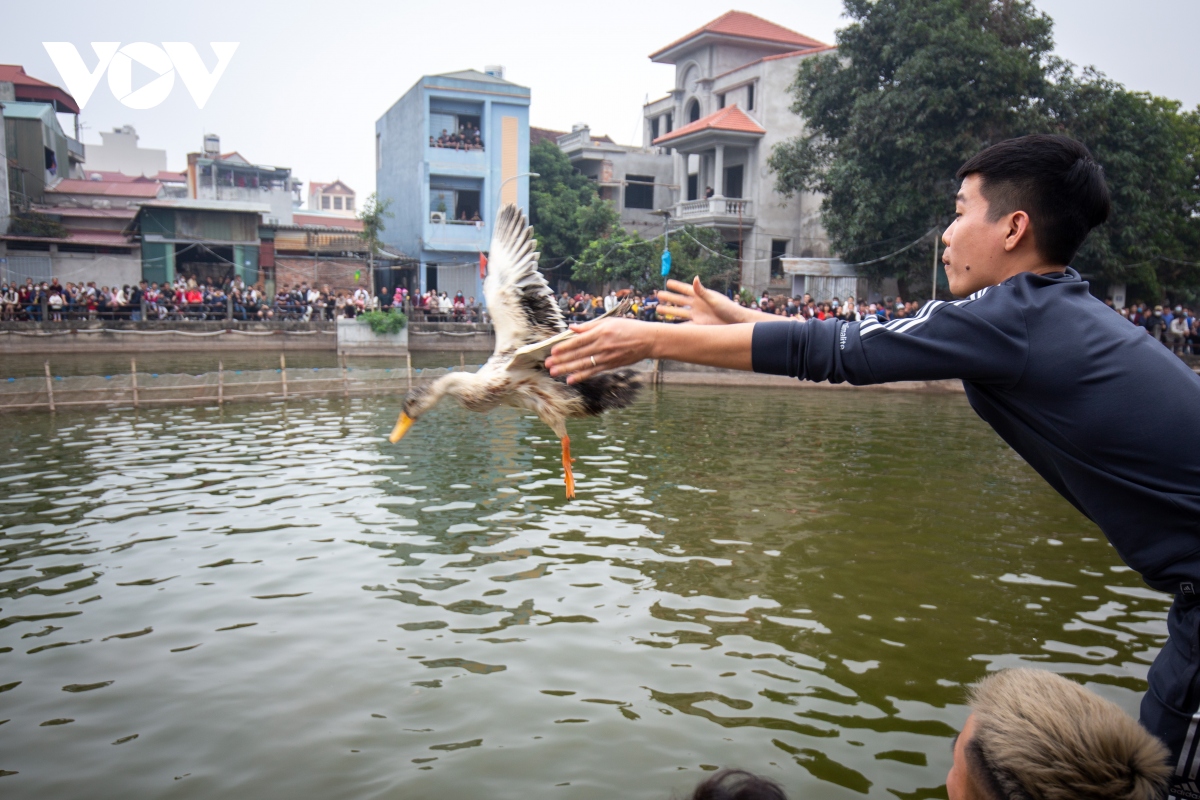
(271, 601)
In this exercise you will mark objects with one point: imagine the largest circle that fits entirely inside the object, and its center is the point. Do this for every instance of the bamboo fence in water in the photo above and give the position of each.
(139, 389)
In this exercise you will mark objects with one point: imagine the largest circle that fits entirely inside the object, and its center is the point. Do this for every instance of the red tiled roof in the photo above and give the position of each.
(537, 135)
(730, 118)
(31, 89)
(111, 177)
(162, 176)
(349, 223)
(107, 188)
(746, 26)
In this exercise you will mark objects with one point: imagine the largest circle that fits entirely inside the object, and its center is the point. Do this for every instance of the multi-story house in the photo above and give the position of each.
(638, 181)
(445, 187)
(331, 198)
(232, 178)
(729, 107)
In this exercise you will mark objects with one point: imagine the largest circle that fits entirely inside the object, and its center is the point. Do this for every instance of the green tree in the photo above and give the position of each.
(1150, 152)
(372, 215)
(915, 87)
(918, 86)
(565, 209)
(623, 257)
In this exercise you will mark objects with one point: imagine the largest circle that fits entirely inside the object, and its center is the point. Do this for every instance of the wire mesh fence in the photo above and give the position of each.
(136, 388)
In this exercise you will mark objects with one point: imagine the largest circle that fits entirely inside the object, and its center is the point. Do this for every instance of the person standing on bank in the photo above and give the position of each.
(1107, 415)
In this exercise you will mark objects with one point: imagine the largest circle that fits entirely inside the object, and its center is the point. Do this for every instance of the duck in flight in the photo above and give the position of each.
(528, 323)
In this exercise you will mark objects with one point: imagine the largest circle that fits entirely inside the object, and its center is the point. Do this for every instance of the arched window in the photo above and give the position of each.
(693, 112)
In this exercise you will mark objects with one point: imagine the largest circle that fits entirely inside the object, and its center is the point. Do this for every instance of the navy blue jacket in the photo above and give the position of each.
(1106, 414)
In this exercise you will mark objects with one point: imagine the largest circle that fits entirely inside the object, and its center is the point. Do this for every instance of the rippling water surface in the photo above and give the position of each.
(273, 602)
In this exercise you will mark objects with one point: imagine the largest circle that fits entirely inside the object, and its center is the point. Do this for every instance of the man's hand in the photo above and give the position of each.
(691, 301)
(600, 345)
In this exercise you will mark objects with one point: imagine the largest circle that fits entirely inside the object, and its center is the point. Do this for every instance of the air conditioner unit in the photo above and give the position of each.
(437, 216)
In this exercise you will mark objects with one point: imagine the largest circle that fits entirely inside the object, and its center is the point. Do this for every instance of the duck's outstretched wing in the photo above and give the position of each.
(519, 301)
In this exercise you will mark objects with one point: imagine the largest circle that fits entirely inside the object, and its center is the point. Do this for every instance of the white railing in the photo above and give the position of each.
(715, 207)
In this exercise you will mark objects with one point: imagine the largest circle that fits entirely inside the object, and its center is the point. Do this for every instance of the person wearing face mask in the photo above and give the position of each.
(1154, 323)
(1177, 331)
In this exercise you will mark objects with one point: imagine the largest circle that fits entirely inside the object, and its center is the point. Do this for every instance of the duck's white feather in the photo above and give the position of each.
(519, 301)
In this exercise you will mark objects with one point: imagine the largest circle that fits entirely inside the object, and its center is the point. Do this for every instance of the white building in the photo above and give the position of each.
(119, 152)
(729, 107)
(335, 198)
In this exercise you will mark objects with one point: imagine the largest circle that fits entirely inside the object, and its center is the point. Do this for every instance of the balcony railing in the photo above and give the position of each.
(716, 207)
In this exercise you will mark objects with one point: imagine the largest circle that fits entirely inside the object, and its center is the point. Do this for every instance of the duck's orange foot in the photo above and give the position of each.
(568, 476)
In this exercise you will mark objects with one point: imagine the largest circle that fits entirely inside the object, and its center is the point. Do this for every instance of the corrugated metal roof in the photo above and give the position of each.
(22, 110)
(30, 88)
(106, 188)
(208, 205)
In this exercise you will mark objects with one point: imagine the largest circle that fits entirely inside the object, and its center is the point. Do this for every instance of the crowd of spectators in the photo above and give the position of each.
(1178, 328)
(434, 306)
(187, 298)
(467, 137)
(184, 299)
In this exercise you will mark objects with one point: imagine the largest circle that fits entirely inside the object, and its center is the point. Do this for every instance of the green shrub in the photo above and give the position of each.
(384, 322)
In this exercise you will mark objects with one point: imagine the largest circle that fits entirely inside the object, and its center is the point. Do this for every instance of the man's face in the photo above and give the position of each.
(975, 250)
(960, 785)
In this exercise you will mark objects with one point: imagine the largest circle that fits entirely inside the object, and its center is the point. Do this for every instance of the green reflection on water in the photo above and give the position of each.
(795, 582)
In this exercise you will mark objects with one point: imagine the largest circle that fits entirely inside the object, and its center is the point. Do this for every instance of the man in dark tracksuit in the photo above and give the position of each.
(1106, 414)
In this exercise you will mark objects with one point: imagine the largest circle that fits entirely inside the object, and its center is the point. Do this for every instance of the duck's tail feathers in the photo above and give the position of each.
(616, 389)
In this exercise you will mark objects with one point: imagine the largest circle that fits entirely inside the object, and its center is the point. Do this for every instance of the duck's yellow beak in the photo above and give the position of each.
(402, 425)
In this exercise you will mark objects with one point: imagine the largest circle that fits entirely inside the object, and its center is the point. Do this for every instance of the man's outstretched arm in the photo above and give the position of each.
(610, 343)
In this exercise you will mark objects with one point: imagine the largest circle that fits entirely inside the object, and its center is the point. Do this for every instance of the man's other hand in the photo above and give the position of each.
(691, 301)
(601, 345)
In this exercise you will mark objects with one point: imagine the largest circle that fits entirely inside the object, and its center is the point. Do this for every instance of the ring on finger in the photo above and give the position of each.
(593, 361)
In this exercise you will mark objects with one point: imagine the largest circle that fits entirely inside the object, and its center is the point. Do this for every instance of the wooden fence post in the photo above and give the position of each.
(345, 379)
(283, 373)
(408, 360)
(133, 379)
(220, 383)
(49, 386)
(462, 360)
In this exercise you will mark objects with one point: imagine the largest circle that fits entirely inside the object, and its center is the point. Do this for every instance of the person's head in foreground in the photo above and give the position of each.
(1025, 205)
(737, 784)
(1034, 735)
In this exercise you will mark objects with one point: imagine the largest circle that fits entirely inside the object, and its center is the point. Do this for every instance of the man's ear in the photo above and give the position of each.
(1018, 230)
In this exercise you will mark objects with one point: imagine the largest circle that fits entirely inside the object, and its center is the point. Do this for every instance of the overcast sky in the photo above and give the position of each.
(309, 79)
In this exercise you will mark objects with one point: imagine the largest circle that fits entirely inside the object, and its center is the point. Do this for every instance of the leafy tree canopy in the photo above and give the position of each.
(627, 258)
(564, 208)
(918, 86)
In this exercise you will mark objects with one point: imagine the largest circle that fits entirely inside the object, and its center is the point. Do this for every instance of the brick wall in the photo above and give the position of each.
(337, 272)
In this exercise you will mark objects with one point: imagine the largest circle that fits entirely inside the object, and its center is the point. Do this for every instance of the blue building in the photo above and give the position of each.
(444, 198)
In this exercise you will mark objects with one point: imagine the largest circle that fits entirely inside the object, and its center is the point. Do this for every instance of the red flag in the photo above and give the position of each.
(482, 266)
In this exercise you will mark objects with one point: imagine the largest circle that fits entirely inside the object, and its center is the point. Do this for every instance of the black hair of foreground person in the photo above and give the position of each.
(1034, 735)
(737, 784)
(1054, 180)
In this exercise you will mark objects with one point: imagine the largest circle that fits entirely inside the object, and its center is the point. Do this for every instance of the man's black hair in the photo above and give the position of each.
(1054, 180)
(737, 784)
